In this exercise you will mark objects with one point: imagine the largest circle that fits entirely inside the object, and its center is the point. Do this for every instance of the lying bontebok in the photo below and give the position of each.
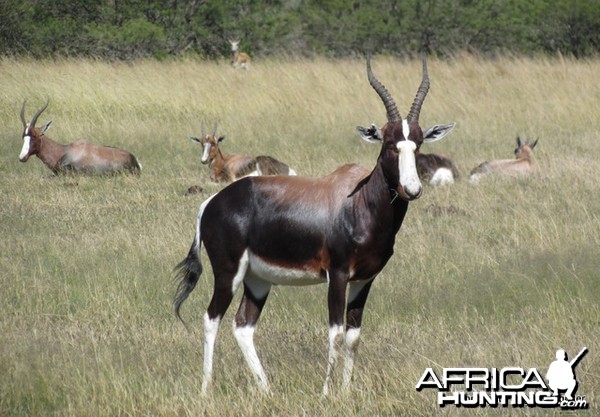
(238, 58)
(338, 230)
(435, 168)
(523, 164)
(80, 156)
(227, 168)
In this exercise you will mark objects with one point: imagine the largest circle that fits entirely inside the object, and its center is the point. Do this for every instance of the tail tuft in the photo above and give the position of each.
(187, 272)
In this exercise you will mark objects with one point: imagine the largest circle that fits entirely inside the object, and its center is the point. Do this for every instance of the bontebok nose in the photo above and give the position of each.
(413, 190)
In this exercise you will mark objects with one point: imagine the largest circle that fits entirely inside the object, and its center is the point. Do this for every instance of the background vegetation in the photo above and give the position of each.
(493, 275)
(143, 28)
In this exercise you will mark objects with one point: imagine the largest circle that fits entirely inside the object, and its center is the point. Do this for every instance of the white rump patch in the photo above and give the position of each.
(292, 172)
(442, 176)
(26, 146)
(199, 220)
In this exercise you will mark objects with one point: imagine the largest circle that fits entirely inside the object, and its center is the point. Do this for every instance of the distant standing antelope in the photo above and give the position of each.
(338, 230)
(80, 156)
(238, 59)
(434, 168)
(523, 164)
(228, 168)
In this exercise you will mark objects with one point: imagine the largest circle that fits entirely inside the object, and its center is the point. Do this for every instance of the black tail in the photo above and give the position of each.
(187, 272)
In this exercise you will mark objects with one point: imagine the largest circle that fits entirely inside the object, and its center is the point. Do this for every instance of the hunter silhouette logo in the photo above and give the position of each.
(508, 386)
(561, 374)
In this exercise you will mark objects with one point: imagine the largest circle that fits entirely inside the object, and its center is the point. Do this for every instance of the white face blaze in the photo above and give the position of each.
(206, 152)
(26, 145)
(407, 168)
(405, 129)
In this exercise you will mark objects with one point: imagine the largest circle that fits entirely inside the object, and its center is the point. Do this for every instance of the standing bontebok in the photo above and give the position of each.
(434, 168)
(228, 168)
(338, 230)
(523, 164)
(238, 59)
(80, 156)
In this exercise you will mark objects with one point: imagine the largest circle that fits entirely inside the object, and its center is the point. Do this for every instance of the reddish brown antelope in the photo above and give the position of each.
(238, 59)
(434, 168)
(80, 156)
(523, 164)
(228, 168)
(339, 230)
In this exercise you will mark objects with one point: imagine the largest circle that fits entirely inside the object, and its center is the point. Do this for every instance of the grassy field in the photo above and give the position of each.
(499, 274)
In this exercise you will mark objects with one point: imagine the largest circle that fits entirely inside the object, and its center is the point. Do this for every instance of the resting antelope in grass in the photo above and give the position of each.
(523, 164)
(238, 59)
(434, 168)
(228, 168)
(337, 230)
(80, 156)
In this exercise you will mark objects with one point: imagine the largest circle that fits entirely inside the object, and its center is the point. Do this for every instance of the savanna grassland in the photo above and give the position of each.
(494, 275)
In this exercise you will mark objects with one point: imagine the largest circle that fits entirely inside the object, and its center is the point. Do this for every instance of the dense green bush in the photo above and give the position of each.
(130, 29)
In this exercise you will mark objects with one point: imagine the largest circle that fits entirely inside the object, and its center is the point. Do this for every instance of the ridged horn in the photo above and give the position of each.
(23, 115)
(415, 110)
(393, 114)
(35, 116)
(215, 129)
(203, 130)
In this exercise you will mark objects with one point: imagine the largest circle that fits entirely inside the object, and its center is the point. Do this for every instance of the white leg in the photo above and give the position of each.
(336, 337)
(211, 327)
(245, 340)
(352, 341)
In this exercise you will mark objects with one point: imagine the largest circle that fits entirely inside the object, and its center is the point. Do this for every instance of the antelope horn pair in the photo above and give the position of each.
(390, 106)
(35, 117)
(214, 132)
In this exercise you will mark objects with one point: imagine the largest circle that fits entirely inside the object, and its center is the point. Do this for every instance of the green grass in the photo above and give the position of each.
(494, 275)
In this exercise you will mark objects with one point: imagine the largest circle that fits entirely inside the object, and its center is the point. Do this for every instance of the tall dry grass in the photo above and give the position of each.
(499, 274)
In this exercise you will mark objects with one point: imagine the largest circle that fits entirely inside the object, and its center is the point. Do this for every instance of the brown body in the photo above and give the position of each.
(228, 168)
(523, 164)
(80, 156)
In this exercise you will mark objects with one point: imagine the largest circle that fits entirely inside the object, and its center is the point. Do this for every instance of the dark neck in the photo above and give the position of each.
(382, 201)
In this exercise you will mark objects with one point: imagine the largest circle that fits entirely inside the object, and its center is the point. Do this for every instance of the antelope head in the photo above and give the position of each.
(210, 144)
(524, 150)
(32, 136)
(401, 138)
(235, 45)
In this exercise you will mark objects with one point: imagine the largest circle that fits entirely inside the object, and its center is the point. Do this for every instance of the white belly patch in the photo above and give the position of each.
(280, 275)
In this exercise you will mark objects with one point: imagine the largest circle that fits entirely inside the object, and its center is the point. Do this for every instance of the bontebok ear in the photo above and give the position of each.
(533, 144)
(195, 139)
(370, 134)
(46, 127)
(221, 138)
(437, 132)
